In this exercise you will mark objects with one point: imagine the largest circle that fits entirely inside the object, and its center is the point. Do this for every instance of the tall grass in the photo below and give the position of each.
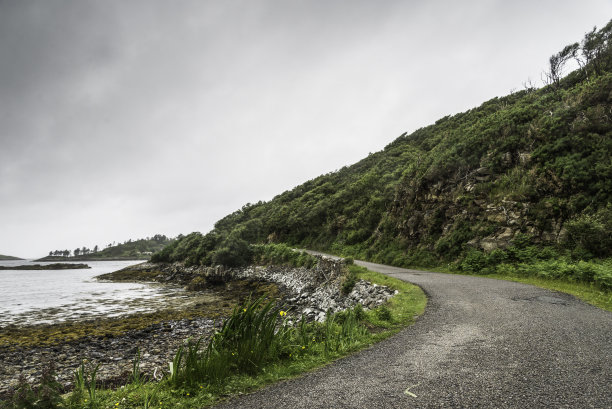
(256, 335)
(251, 337)
(85, 387)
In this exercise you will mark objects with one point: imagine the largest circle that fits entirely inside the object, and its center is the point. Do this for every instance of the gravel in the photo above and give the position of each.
(481, 343)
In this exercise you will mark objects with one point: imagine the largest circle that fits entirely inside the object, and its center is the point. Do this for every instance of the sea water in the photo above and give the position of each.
(29, 297)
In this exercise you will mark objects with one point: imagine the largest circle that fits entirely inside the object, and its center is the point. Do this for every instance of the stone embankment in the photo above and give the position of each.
(308, 292)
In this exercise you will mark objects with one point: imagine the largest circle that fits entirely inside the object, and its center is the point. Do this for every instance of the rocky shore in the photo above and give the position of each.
(309, 292)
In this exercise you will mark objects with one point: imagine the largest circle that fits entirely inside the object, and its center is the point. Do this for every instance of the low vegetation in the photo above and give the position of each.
(260, 343)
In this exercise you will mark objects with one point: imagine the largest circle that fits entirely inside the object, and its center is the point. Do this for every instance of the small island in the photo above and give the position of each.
(3, 257)
(54, 266)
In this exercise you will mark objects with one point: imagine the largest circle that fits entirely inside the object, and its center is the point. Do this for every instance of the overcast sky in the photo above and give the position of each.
(123, 119)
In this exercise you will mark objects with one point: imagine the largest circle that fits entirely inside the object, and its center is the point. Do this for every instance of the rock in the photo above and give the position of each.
(524, 158)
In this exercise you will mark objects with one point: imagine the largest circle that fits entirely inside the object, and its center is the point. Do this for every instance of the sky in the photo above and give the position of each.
(124, 119)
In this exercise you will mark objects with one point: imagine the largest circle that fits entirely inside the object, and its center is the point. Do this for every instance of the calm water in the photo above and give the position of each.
(50, 296)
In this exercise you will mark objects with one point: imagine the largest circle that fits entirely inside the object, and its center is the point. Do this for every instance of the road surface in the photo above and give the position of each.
(481, 343)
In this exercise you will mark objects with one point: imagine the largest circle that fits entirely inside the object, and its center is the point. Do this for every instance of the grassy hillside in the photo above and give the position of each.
(526, 178)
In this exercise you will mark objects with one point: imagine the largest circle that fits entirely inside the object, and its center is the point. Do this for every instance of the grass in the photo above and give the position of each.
(256, 346)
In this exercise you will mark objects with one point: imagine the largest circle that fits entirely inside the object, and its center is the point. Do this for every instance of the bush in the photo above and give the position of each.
(473, 262)
(591, 232)
(233, 252)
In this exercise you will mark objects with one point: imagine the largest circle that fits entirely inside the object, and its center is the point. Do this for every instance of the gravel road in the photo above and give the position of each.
(481, 343)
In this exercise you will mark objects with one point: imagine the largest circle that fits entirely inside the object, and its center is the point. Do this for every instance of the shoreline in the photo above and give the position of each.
(113, 343)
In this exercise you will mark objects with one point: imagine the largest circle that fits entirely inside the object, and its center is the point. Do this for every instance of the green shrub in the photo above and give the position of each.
(233, 252)
(591, 232)
(473, 262)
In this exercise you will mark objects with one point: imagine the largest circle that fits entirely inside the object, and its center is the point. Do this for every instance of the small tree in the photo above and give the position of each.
(557, 62)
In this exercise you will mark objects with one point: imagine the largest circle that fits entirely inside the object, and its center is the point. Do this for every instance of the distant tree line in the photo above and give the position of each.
(79, 251)
(127, 248)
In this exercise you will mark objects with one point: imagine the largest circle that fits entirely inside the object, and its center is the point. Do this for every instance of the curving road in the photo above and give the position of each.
(480, 343)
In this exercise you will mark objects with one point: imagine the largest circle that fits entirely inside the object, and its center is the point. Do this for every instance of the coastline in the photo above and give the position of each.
(114, 343)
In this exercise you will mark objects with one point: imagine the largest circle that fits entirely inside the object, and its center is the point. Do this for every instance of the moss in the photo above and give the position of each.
(198, 283)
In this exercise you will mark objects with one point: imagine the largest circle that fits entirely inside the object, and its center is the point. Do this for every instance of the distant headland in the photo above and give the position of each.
(3, 257)
(54, 266)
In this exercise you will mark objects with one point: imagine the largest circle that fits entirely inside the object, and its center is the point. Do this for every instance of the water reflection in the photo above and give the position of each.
(50, 296)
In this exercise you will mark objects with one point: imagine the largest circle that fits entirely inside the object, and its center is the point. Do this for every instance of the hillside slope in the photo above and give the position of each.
(521, 173)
